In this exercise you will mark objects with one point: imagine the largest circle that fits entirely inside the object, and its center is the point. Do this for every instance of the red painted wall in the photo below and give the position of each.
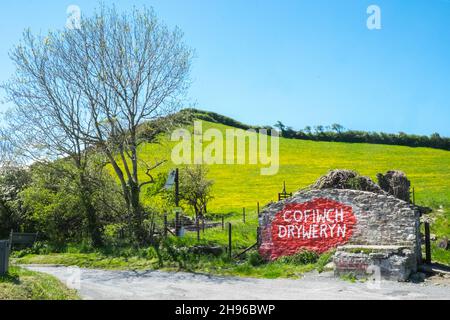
(317, 225)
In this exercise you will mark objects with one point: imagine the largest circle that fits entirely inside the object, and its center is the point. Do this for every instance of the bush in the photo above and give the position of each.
(85, 246)
(13, 180)
(38, 247)
(335, 133)
(115, 234)
(324, 259)
(302, 257)
(255, 259)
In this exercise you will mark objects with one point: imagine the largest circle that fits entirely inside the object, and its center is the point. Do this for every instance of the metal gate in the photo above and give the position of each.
(4, 256)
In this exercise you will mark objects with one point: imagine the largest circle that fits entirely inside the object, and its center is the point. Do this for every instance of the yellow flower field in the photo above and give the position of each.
(302, 162)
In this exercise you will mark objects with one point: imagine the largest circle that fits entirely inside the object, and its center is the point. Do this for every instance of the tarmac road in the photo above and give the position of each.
(144, 285)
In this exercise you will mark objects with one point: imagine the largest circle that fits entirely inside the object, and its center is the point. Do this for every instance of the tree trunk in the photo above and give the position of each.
(93, 225)
(91, 213)
(137, 214)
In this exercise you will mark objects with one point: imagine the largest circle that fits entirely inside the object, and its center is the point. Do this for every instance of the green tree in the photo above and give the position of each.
(308, 130)
(337, 128)
(56, 207)
(103, 81)
(12, 216)
(280, 127)
(195, 189)
(318, 129)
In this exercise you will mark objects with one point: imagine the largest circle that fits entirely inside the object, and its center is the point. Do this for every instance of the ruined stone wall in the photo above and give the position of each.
(371, 219)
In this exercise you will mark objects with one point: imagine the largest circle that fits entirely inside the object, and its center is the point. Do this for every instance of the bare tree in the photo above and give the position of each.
(46, 121)
(6, 152)
(103, 81)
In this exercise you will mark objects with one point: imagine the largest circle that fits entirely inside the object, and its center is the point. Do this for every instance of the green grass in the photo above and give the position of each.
(270, 270)
(302, 162)
(92, 260)
(202, 264)
(441, 228)
(176, 257)
(21, 284)
(243, 234)
(349, 277)
(236, 186)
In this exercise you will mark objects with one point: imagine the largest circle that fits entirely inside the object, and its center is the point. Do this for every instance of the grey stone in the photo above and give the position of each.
(417, 277)
(392, 263)
(395, 183)
(387, 225)
(330, 266)
(443, 243)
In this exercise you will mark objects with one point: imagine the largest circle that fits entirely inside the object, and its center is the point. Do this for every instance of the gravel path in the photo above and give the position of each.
(102, 284)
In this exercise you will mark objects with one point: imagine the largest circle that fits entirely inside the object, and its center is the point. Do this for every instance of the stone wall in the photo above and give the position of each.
(390, 262)
(372, 219)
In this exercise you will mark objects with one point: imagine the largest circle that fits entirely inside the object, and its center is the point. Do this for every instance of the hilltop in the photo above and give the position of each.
(334, 132)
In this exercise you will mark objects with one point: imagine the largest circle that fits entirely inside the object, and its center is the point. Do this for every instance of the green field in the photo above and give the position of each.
(303, 162)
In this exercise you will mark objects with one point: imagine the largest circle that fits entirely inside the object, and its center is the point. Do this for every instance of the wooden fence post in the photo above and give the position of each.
(165, 225)
(229, 240)
(223, 222)
(258, 207)
(197, 225)
(177, 224)
(427, 243)
(4, 256)
(203, 224)
(243, 214)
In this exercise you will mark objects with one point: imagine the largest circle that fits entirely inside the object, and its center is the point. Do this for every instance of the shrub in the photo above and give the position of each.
(324, 259)
(335, 133)
(255, 259)
(302, 257)
(38, 247)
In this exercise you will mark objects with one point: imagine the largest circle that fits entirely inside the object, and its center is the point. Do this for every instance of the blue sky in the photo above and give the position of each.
(301, 62)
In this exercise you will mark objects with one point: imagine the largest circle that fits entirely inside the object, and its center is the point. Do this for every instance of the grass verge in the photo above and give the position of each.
(22, 284)
(441, 228)
(179, 259)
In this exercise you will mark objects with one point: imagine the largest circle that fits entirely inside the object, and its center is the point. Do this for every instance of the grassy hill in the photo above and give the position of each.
(302, 162)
